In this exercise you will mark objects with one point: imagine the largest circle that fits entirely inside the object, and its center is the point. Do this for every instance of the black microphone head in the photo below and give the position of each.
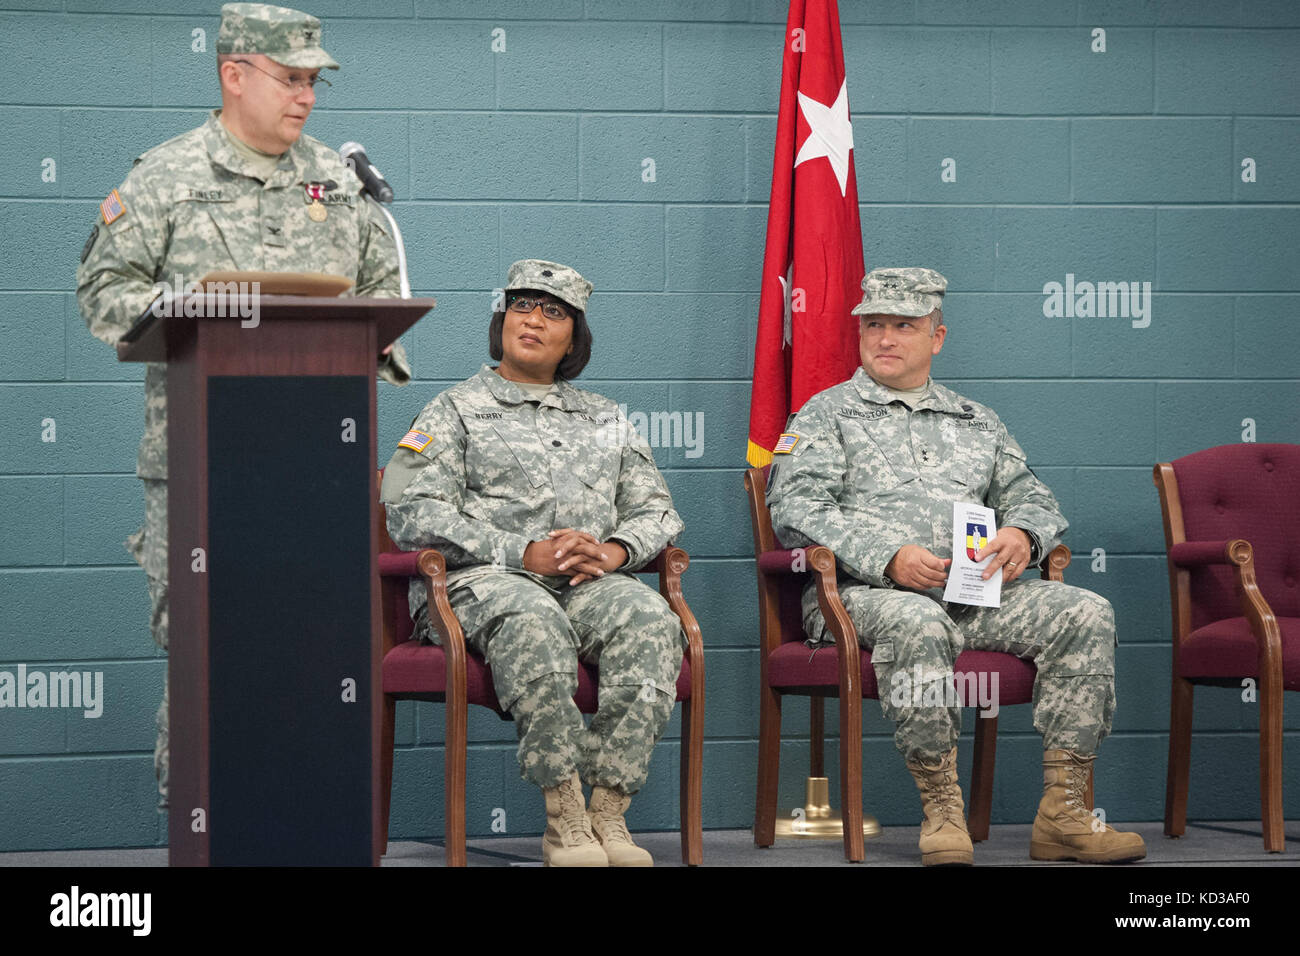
(354, 155)
(349, 152)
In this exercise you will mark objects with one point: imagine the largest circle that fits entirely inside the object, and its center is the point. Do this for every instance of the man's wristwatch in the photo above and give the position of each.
(1035, 552)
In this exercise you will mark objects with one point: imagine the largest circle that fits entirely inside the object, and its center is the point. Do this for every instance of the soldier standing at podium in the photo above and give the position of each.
(248, 191)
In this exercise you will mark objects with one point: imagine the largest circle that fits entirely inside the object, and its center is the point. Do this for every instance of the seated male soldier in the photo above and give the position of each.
(871, 468)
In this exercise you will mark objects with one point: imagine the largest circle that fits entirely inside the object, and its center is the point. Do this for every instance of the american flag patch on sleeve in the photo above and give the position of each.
(786, 443)
(111, 208)
(415, 440)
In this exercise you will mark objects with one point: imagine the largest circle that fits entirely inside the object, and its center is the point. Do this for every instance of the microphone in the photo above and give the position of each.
(354, 154)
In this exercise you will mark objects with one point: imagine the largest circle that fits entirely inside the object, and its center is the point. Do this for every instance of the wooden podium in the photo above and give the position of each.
(274, 589)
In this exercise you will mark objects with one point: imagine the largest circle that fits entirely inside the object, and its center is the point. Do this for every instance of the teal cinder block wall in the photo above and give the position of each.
(1117, 166)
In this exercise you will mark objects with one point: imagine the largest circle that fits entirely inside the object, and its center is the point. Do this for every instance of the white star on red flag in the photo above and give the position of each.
(831, 133)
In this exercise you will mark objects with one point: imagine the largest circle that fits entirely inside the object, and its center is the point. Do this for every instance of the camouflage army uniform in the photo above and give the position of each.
(867, 475)
(192, 205)
(499, 470)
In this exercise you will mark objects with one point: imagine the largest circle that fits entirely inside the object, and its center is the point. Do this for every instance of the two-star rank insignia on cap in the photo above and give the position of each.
(415, 440)
(785, 444)
(111, 208)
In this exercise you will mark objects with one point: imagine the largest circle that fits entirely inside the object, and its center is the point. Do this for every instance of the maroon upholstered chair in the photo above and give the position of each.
(1232, 530)
(453, 674)
(787, 667)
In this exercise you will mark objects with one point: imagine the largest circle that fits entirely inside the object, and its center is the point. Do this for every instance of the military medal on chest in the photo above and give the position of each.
(316, 210)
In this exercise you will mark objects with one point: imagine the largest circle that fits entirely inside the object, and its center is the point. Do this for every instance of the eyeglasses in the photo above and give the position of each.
(552, 310)
(295, 85)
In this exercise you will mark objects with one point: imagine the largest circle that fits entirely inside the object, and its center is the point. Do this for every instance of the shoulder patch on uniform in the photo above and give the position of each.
(111, 208)
(785, 444)
(415, 440)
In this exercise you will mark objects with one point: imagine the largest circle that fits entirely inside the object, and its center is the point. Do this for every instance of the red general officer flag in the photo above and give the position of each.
(812, 265)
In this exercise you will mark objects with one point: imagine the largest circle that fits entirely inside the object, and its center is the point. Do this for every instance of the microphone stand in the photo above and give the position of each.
(401, 247)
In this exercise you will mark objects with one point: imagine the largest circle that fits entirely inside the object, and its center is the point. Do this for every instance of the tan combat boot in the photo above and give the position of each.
(944, 838)
(606, 815)
(568, 840)
(1063, 827)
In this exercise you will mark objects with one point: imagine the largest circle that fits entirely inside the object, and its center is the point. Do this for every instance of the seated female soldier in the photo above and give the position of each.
(543, 501)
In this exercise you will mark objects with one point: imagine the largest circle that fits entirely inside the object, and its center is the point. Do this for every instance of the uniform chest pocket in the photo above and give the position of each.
(524, 448)
(305, 234)
(203, 223)
(591, 500)
(597, 468)
(975, 455)
(879, 457)
(498, 462)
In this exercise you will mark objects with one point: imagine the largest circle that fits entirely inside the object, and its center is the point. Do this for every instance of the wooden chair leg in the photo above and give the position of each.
(1270, 763)
(1180, 757)
(691, 782)
(387, 737)
(851, 776)
(769, 766)
(816, 736)
(1088, 799)
(981, 776)
(454, 757)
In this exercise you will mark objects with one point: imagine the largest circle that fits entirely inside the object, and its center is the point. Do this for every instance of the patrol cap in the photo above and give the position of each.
(289, 37)
(561, 281)
(913, 292)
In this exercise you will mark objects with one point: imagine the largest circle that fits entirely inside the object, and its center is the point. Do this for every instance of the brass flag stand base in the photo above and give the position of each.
(815, 820)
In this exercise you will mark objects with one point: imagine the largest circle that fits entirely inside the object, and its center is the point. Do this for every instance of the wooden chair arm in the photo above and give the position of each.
(396, 568)
(1058, 559)
(432, 567)
(821, 561)
(671, 563)
(1256, 610)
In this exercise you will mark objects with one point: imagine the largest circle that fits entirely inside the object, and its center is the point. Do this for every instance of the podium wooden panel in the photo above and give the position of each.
(274, 593)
